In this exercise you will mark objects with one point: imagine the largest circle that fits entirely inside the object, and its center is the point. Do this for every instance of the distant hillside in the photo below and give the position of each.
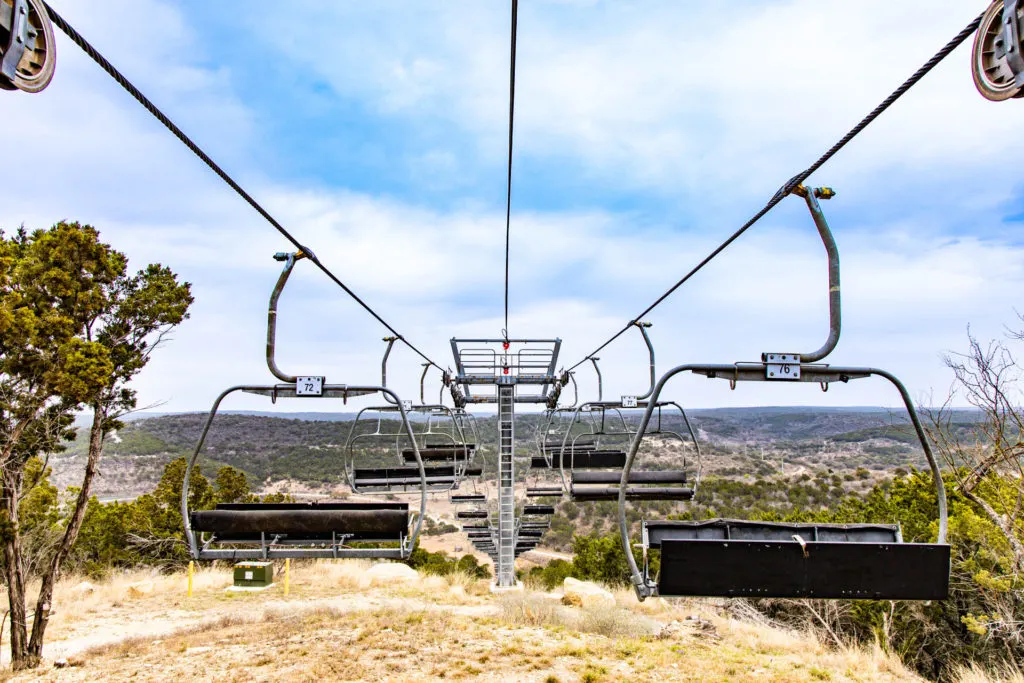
(310, 447)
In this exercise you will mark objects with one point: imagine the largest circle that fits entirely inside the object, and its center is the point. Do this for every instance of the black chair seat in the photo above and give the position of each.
(541, 492)
(578, 443)
(315, 505)
(469, 498)
(409, 476)
(790, 569)
(538, 510)
(583, 460)
(752, 530)
(598, 493)
(471, 514)
(390, 520)
(439, 452)
(635, 477)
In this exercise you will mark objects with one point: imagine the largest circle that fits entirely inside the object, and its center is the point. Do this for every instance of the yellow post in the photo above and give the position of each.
(287, 573)
(191, 571)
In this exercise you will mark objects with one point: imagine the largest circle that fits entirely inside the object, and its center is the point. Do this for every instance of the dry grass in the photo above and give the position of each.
(76, 598)
(334, 626)
(1008, 673)
(534, 609)
(349, 574)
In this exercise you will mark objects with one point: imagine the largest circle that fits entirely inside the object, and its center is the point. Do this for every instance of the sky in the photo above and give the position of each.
(646, 132)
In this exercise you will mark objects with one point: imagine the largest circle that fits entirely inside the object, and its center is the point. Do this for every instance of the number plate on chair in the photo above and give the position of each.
(309, 386)
(629, 401)
(782, 366)
(406, 405)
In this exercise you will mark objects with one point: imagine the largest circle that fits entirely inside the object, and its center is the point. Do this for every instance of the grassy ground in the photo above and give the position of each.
(334, 625)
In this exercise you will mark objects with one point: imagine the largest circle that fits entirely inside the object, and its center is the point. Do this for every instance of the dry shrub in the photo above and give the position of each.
(626, 599)
(121, 648)
(461, 579)
(615, 623)
(348, 574)
(530, 609)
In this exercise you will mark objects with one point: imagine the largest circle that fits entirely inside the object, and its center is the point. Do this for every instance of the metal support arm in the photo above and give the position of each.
(600, 388)
(643, 327)
(289, 264)
(423, 380)
(384, 365)
(834, 300)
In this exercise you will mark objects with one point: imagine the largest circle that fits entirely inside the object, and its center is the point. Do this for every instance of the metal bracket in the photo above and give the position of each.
(781, 366)
(18, 42)
(1011, 41)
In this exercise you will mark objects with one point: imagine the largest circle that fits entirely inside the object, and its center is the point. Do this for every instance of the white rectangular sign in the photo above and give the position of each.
(309, 386)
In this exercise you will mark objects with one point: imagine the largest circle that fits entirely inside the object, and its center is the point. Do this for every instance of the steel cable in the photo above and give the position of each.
(802, 176)
(123, 81)
(511, 126)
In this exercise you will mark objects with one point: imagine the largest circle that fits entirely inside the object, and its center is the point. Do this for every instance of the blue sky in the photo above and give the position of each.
(646, 132)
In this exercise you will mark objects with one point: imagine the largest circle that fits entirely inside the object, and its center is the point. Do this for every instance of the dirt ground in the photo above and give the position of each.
(335, 625)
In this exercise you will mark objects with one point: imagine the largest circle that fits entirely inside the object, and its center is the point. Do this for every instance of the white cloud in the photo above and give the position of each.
(678, 97)
(717, 107)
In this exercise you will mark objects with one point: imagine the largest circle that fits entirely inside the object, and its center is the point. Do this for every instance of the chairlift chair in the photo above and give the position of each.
(651, 485)
(382, 478)
(738, 558)
(583, 449)
(265, 531)
(596, 475)
(445, 450)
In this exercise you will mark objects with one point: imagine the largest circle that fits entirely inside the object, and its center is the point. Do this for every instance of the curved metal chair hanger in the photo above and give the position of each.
(736, 558)
(450, 462)
(293, 530)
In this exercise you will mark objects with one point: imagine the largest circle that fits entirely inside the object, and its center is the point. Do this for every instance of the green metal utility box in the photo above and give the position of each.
(254, 574)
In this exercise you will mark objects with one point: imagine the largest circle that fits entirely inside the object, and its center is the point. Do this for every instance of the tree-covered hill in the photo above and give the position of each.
(736, 442)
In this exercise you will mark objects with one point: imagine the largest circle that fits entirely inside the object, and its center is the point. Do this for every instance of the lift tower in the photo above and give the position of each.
(505, 365)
